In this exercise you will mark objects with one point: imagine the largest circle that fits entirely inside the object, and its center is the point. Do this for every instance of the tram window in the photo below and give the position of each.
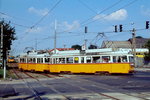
(88, 59)
(124, 58)
(82, 59)
(38, 60)
(105, 59)
(41, 60)
(96, 59)
(70, 60)
(54, 60)
(61, 60)
(131, 59)
(50, 60)
(76, 59)
(114, 59)
(57, 60)
(46, 60)
(22, 60)
(29, 60)
(33, 60)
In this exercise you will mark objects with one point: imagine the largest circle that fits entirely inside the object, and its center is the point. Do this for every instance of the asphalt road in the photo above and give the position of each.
(79, 87)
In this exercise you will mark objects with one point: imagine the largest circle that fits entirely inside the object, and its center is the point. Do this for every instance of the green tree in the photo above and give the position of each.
(92, 47)
(147, 55)
(78, 47)
(8, 36)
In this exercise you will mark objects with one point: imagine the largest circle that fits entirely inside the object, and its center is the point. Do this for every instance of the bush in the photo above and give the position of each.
(1, 73)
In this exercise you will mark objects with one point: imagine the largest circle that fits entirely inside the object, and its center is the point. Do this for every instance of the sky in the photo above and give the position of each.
(37, 21)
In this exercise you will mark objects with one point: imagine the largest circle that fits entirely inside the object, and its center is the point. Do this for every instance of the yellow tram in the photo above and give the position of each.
(76, 61)
(11, 59)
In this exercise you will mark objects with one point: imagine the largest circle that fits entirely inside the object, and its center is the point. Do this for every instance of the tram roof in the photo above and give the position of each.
(103, 51)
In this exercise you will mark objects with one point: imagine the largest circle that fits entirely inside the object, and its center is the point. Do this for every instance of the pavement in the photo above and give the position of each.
(142, 69)
(7, 89)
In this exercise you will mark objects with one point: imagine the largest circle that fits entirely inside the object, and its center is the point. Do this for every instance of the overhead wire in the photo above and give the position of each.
(33, 26)
(94, 12)
(128, 4)
(41, 18)
(87, 6)
(18, 18)
(46, 14)
(112, 12)
(111, 6)
(14, 18)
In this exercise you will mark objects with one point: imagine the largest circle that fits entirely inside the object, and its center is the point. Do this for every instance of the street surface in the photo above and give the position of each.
(79, 87)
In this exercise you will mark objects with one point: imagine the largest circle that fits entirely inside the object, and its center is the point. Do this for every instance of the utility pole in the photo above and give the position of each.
(134, 45)
(85, 43)
(3, 58)
(55, 37)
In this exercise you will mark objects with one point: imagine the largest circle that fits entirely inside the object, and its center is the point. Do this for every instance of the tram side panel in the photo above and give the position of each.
(74, 68)
(31, 66)
(23, 66)
(91, 68)
(41, 67)
(120, 68)
(80, 68)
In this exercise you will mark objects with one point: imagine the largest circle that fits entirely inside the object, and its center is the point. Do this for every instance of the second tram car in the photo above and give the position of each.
(75, 61)
(11, 59)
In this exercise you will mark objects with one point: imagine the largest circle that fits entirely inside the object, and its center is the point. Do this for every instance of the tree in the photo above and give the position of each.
(8, 36)
(92, 47)
(139, 37)
(147, 55)
(78, 47)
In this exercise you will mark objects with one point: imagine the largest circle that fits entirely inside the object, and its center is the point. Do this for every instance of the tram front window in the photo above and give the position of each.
(131, 59)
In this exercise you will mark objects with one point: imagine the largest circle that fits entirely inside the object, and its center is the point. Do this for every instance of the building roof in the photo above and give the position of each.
(116, 44)
(62, 49)
(140, 42)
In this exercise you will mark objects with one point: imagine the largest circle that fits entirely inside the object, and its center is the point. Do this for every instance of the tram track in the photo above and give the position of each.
(24, 79)
(103, 86)
(24, 76)
(28, 75)
(82, 88)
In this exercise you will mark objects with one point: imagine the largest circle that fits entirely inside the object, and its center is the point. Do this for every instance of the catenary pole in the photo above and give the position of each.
(3, 59)
(134, 46)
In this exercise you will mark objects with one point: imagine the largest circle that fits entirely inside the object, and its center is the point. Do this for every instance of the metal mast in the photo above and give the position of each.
(134, 45)
(3, 58)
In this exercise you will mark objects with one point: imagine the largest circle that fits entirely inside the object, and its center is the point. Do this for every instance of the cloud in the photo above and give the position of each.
(35, 30)
(40, 12)
(145, 11)
(115, 16)
(66, 26)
